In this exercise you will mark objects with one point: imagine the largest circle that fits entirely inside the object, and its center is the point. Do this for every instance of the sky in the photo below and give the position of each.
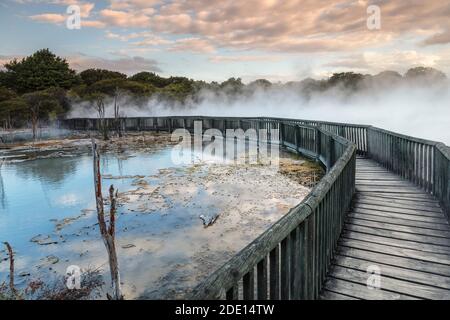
(217, 39)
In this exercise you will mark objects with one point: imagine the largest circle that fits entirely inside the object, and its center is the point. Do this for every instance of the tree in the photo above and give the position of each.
(12, 112)
(425, 75)
(108, 232)
(91, 76)
(97, 99)
(232, 86)
(348, 80)
(179, 91)
(40, 71)
(150, 78)
(260, 83)
(3, 79)
(6, 94)
(41, 104)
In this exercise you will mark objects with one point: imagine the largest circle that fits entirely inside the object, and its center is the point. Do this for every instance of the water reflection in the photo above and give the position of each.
(162, 245)
(2, 190)
(50, 172)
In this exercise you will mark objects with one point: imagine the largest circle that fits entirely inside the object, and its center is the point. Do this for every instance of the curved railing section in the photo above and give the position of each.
(290, 259)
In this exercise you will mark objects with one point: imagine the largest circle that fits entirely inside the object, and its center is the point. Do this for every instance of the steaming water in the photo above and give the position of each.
(419, 111)
(159, 252)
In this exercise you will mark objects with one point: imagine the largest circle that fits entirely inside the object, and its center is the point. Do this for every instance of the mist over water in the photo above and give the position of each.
(420, 110)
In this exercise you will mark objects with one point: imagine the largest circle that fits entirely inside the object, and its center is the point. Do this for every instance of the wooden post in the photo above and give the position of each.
(11, 269)
(107, 232)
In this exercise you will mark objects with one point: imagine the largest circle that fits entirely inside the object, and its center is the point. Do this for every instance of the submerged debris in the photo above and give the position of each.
(43, 240)
(208, 220)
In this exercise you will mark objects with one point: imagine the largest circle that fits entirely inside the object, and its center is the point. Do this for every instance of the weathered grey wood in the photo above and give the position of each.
(415, 212)
(284, 294)
(424, 239)
(399, 221)
(360, 291)
(329, 295)
(401, 287)
(397, 272)
(275, 274)
(396, 204)
(261, 276)
(249, 286)
(233, 293)
(412, 217)
(396, 227)
(395, 260)
(395, 243)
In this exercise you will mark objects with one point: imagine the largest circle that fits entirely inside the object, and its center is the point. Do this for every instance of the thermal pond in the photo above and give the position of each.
(47, 214)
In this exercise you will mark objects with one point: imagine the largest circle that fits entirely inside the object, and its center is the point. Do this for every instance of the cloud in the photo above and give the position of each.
(124, 19)
(244, 58)
(440, 38)
(127, 65)
(194, 45)
(50, 18)
(272, 25)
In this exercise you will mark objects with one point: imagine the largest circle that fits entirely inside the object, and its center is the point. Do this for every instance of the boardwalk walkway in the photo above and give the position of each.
(397, 227)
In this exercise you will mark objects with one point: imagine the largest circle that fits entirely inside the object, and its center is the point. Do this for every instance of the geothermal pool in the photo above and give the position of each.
(47, 215)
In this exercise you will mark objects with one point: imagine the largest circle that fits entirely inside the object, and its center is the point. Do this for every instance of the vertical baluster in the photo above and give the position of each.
(232, 294)
(275, 273)
(284, 270)
(261, 275)
(249, 285)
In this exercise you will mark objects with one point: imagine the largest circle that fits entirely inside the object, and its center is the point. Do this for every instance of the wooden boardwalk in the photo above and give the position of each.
(397, 227)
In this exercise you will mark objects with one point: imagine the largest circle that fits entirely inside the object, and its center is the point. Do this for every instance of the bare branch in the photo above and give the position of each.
(11, 268)
(107, 232)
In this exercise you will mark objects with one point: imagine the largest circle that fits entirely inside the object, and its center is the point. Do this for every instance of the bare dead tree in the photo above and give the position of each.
(107, 232)
(117, 94)
(11, 269)
(2, 186)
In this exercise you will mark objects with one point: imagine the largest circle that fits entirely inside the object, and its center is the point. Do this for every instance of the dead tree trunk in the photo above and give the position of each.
(11, 269)
(107, 232)
(117, 112)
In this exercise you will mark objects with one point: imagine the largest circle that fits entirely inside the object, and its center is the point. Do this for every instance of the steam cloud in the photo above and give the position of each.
(420, 110)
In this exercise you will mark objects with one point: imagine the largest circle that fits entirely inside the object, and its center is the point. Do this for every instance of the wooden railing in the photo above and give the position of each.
(423, 162)
(291, 258)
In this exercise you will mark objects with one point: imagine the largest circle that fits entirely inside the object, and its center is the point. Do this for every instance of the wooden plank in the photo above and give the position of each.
(415, 202)
(392, 235)
(383, 183)
(396, 227)
(393, 285)
(396, 261)
(359, 205)
(401, 222)
(411, 192)
(361, 291)
(399, 196)
(396, 243)
(395, 204)
(442, 221)
(400, 273)
(353, 242)
(330, 295)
